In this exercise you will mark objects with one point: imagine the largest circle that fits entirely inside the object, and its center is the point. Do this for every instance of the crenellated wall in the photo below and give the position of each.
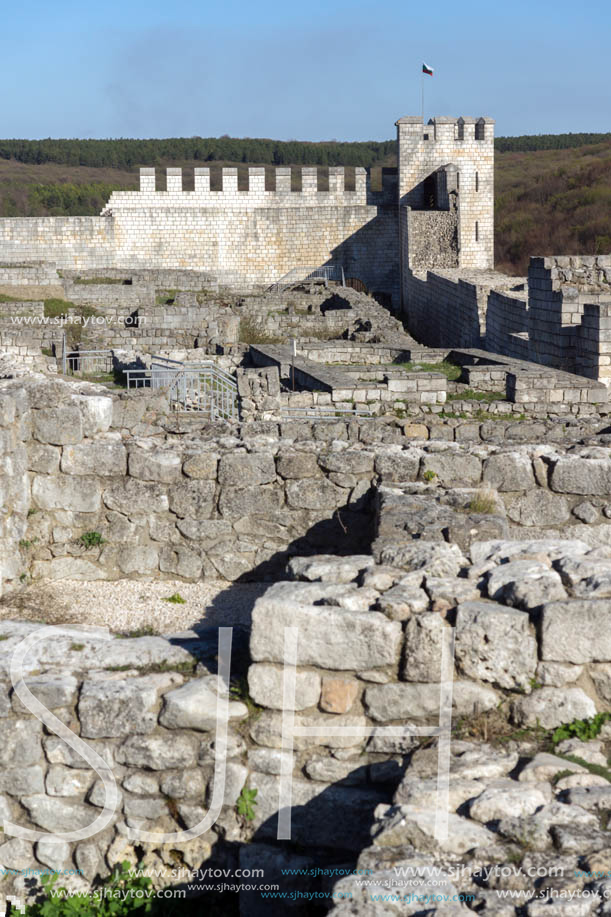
(243, 239)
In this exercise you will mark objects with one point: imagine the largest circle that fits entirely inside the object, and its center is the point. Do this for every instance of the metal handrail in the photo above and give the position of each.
(326, 273)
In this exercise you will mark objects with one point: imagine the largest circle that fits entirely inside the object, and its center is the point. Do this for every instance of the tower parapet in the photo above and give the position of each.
(463, 148)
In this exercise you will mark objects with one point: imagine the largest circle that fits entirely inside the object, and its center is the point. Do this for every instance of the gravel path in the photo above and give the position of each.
(129, 605)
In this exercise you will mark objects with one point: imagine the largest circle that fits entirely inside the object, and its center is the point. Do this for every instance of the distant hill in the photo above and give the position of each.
(552, 196)
(552, 202)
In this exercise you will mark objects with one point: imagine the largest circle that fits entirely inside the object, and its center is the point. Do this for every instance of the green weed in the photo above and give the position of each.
(91, 539)
(175, 599)
(246, 804)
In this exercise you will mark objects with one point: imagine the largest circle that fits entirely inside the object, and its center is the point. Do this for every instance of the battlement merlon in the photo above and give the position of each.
(313, 192)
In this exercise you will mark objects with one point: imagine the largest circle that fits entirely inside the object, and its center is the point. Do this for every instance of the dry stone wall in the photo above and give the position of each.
(368, 657)
(171, 499)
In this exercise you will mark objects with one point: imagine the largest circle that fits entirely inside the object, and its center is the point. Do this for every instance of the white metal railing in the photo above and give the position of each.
(328, 273)
(200, 387)
(86, 362)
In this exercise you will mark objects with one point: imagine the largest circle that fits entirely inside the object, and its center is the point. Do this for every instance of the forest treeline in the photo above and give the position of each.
(128, 153)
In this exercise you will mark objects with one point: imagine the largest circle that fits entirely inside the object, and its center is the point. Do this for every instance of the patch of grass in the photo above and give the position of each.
(483, 502)
(77, 647)
(25, 543)
(47, 351)
(5, 298)
(560, 776)
(584, 730)
(175, 599)
(55, 308)
(596, 769)
(429, 475)
(23, 578)
(470, 395)
(166, 298)
(124, 893)
(4, 637)
(184, 668)
(250, 333)
(452, 371)
(91, 539)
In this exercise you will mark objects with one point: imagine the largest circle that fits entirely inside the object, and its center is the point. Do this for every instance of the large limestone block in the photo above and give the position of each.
(54, 814)
(138, 558)
(509, 471)
(96, 413)
(20, 743)
(246, 470)
(539, 507)
(80, 494)
(509, 798)
(76, 568)
(192, 499)
(328, 637)
(21, 781)
(158, 752)
(59, 425)
(51, 690)
(397, 466)
(573, 474)
(201, 465)
(194, 705)
(551, 707)
(495, 644)
(417, 827)
(266, 686)
(314, 494)
(385, 703)
(103, 459)
(423, 643)
(348, 461)
(117, 708)
(267, 730)
(131, 496)
(328, 568)
(453, 469)
(237, 502)
(576, 631)
(525, 584)
(67, 781)
(164, 467)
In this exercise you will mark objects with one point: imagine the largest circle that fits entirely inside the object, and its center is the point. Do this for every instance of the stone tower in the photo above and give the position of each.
(446, 193)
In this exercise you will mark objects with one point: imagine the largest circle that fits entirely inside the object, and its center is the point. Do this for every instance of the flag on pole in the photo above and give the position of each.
(428, 70)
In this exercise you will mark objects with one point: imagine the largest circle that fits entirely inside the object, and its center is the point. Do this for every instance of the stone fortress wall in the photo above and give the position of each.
(170, 505)
(244, 238)
(560, 316)
(371, 628)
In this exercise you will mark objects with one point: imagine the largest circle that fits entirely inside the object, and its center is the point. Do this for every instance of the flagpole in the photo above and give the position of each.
(422, 95)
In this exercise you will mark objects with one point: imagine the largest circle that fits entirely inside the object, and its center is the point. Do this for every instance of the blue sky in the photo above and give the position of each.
(313, 71)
